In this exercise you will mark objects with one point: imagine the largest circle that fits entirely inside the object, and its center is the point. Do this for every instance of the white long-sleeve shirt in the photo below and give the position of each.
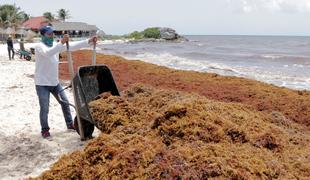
(47, 61)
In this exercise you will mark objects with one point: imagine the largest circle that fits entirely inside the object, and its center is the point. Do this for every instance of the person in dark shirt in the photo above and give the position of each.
(9, 42)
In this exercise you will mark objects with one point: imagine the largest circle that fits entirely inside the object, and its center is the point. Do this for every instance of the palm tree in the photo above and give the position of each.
(25, 16)
(1, 22)
(63, 14)
(49, 16)
(11, 16)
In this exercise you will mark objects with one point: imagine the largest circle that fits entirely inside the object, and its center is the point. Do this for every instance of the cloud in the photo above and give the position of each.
(288, 6)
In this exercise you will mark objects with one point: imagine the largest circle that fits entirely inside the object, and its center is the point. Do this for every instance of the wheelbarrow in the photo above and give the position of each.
(23, 53)
(87, 84)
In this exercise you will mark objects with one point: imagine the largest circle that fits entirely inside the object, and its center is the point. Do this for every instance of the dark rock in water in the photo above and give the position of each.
(168, 34)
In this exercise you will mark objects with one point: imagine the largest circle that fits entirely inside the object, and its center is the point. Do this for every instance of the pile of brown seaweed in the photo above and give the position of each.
(152, 133)
(293, 104)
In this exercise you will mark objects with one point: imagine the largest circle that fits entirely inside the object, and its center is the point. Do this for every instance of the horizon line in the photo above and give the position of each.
(270, 35)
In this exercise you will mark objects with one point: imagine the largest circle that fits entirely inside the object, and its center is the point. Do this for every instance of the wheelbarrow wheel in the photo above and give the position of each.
(87, 127)
(28, 58)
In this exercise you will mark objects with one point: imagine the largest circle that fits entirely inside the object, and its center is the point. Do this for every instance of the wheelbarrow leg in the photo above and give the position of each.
(88, 127)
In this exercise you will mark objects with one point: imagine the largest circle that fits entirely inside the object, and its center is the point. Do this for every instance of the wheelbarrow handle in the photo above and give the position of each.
(94, 54)
(65, 102)
(67, 45)
(70, 62)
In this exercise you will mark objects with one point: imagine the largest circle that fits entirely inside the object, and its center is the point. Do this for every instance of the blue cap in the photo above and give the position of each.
(46, 29)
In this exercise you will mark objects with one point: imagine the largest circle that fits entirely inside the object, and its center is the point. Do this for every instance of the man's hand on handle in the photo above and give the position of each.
(65, 39)
(92, 40)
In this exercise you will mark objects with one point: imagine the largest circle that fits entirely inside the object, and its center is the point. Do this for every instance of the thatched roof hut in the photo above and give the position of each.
(74, 28)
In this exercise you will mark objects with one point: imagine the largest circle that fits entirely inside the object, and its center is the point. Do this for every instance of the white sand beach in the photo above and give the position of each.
(23, 152)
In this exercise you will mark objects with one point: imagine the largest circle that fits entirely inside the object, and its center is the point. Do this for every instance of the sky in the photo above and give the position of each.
(191, 17)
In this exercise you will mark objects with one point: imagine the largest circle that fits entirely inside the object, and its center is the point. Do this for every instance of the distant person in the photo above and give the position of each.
(22, 49)
(46, 74)
(9, 42)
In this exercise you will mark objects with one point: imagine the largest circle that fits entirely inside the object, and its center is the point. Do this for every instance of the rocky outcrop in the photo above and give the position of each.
(158, 34)
(168, 34)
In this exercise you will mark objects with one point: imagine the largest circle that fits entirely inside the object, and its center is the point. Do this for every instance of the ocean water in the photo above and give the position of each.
(279, 60)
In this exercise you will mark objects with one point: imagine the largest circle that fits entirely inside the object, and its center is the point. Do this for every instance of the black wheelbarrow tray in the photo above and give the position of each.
(88, 83)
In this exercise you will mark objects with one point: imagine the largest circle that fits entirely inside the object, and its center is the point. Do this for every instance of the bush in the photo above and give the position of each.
(135, 35)
(151, 33)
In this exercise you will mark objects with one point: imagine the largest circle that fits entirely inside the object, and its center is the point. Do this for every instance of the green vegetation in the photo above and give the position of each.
(63, 14)
(147, 33)
(49, 16)
(135, 35)
(11, 16)
(151, 33)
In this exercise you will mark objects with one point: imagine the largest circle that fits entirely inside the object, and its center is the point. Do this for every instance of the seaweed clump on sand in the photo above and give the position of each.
(152, 133)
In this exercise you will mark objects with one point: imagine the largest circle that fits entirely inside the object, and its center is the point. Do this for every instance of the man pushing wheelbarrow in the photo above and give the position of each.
(46, 74)
(23, 54)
